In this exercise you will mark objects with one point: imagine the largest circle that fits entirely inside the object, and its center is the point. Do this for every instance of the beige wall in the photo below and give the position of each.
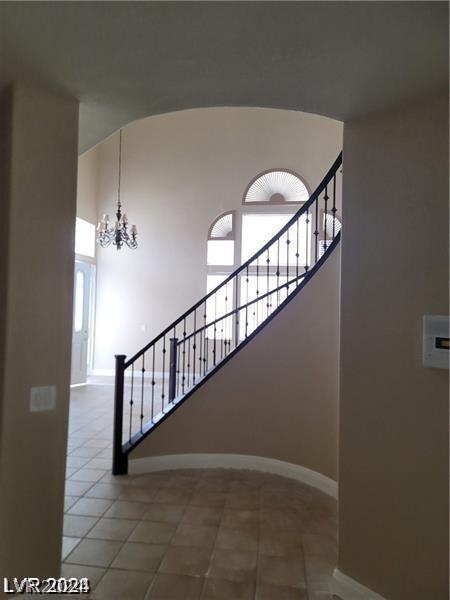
(180, 171)
(41, 167)
(283, 409)
(87, 186)
(393, 467)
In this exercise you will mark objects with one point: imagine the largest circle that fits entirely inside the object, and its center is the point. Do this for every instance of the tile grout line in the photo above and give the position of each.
(258, 551)
(212, 552)
(163, 556)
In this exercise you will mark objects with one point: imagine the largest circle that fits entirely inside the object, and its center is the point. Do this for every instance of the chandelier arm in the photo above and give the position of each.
(104, 241)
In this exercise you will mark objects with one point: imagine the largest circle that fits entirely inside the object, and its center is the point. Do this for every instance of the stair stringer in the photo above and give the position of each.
(279, 398)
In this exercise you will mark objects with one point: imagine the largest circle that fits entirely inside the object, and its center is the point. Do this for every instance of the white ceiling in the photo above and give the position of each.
(127, 60)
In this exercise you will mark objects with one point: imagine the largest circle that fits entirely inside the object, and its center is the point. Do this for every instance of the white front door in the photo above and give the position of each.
(81, 314)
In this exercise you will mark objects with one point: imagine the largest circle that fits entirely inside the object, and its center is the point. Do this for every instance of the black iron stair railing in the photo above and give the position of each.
(165, 372)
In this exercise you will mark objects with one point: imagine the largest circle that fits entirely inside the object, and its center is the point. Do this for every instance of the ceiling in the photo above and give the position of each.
(127, 60)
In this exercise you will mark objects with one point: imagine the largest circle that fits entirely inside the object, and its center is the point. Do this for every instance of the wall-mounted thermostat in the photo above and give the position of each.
(436, 341)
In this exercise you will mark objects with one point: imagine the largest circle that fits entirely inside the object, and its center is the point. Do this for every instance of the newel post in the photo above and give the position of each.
(120, 460)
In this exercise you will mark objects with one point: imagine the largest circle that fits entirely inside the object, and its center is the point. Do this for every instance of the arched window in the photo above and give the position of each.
(221, 260)
(269, 201)
(221, 241)
(276, 186)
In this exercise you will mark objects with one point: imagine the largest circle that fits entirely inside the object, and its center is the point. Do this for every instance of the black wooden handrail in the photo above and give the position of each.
(204, 337)
(320, 188)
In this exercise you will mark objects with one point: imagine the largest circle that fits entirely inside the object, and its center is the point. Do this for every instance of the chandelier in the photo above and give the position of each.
(117, 233)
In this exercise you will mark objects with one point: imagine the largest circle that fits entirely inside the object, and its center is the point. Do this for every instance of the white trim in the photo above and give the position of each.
(347, 588)
(85, 258)
(234, 461)
(112, 373)
(92, 313)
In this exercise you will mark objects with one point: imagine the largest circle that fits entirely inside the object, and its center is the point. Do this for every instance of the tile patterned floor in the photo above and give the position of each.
(205, 534)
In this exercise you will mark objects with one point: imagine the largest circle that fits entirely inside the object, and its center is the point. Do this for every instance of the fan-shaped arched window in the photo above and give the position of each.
(276, 186)
(269, 201)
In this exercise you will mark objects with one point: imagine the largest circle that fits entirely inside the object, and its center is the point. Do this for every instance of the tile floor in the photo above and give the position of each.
(193, 534)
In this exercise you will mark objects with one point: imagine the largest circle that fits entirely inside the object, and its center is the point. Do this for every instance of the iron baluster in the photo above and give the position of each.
(200, 352)
(278, 273)
(325, 220)
(153, 383)
(172, 368)
(316, 232)
(236, 311)
(189, 364)
(183, 377)
(131, 399)
(226, 321)
(183, 374)
(214, 329)
(178, 370)
(142, 393)
(194, 348)
(307, 220)
(205, 342)
(163, 372)
(267, 286)
(246, 309)
(333, 210)
(257, 291)
(288, 242)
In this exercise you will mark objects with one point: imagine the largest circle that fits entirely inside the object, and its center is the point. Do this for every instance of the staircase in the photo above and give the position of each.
(163, 374)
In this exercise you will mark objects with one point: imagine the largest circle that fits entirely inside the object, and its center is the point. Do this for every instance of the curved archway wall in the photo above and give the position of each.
(180, 171)
(276, 400)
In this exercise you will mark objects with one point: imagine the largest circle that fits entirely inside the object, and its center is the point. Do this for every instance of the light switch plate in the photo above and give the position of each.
(43, 398)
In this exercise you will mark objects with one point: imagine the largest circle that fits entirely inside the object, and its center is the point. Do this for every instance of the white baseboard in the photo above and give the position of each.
(347, 588)
(138, 374)
(149, 464)
(102, 372)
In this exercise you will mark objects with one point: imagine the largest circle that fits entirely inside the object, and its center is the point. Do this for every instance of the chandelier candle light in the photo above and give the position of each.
(117, 234)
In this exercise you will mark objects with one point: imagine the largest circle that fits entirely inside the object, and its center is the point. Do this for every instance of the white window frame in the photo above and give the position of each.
(86, 257)
(264, 207)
